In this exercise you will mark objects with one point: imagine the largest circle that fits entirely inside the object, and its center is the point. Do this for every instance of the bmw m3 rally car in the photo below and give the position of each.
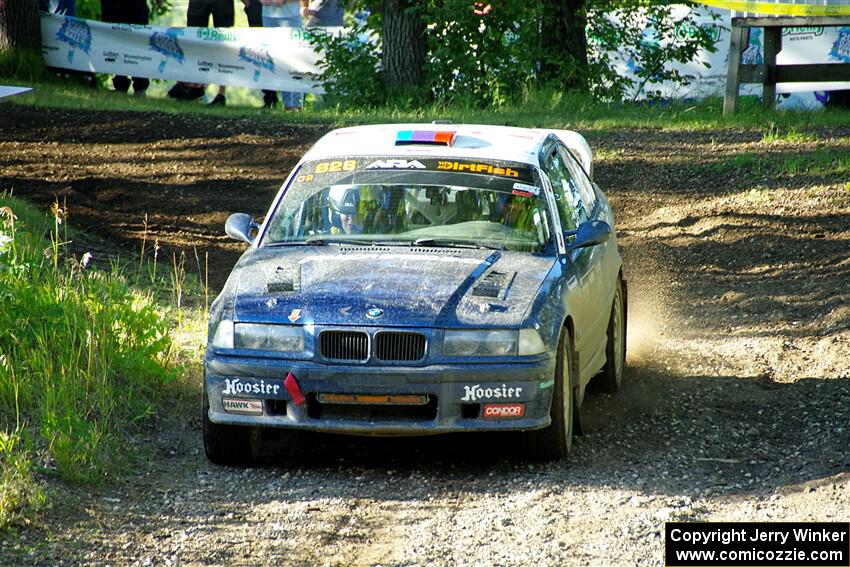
(420, 279)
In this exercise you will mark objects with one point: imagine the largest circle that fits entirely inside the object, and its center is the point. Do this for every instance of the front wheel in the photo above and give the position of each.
(556, 440)
(611, 377)
(227, 444)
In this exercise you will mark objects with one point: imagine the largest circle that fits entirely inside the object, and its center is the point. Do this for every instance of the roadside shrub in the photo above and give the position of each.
(350, 67)
(491, 54)
(83, 357)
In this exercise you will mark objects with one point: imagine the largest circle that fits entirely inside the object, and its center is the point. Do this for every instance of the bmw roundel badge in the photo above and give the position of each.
(374, 312)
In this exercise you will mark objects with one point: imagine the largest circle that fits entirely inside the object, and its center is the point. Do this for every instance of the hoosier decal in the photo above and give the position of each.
(477, 392)
(237, 386)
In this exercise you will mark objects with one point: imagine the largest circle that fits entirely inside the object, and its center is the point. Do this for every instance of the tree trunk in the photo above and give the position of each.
(403, 53)
(20, 26)
(564, 30)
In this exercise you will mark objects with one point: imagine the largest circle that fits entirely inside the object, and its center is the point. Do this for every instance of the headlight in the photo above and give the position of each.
(480, 343)
(278, 338)
(223, 336)
(530, 342)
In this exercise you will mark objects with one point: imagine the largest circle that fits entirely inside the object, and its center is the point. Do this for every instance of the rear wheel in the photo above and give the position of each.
(228, 444)
(611, 377)
(556, 440)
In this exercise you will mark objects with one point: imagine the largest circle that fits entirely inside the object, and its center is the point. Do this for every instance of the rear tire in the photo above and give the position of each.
(556, 440)
(611, 376)
(228, 444)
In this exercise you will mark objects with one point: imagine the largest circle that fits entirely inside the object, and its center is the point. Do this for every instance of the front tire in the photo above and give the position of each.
(611, 377)
(227, 444)
(556, 440)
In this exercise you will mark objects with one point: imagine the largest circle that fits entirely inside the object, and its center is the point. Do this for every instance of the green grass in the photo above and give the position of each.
(534, 109)
(822, 161)
(85, 359)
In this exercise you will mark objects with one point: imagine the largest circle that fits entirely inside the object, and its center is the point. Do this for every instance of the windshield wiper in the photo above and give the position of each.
(449, 243)
(306, 242)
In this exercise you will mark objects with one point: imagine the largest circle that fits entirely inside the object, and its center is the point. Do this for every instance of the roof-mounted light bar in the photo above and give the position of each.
(431, 138)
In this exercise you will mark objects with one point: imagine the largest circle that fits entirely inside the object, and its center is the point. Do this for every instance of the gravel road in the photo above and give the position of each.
(736, 403)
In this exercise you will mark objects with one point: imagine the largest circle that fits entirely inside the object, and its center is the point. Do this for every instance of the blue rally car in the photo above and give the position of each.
(420, 279)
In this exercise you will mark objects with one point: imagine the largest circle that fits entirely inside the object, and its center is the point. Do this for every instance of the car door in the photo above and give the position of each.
(577, 268)
(593, 262)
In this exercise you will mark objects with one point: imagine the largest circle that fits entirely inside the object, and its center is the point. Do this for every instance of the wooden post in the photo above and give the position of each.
(730, 101)
(772, 46)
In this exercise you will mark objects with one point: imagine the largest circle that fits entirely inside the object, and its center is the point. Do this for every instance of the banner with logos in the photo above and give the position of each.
(12, 91)
(782, 7)
(257, 58)
(802, 45)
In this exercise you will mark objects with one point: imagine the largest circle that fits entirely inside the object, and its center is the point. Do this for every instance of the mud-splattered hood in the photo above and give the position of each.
(351, 285)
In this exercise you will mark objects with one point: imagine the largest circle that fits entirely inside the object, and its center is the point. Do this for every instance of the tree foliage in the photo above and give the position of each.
(488, 53)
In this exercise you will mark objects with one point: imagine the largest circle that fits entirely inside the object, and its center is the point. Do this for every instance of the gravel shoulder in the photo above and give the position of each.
(736, 405)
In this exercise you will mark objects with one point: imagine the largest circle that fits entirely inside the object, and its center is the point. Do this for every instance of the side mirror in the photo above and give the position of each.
(590, 233)
(239, 226)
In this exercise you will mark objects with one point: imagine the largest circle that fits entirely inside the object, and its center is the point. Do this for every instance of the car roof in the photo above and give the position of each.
(471, 141)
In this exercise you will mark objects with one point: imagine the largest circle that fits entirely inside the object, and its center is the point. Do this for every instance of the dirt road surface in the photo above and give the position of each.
(736, 404)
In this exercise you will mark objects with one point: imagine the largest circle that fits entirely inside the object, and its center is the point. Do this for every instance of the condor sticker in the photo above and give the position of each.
(242, 406)
(524, 190)
(503, 411)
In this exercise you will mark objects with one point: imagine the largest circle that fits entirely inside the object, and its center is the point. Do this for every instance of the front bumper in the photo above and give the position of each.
(456, 396)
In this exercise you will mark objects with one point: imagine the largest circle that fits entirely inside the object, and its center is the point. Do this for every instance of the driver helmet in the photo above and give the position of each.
(344, 199)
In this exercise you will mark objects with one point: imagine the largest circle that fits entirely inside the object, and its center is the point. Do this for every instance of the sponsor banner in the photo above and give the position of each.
(12, 91)
(256, 58)
(803, 45)
(780, 8)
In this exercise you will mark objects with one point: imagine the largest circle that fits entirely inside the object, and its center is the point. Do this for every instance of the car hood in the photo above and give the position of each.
(427, 287)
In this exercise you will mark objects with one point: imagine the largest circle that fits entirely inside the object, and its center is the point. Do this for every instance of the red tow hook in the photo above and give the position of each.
(294, 390)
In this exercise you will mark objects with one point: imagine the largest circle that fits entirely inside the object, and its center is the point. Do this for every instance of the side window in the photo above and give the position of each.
(582, 183)
(566, 196)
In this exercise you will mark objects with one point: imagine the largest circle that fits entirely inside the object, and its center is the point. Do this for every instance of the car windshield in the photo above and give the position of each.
(419, 202)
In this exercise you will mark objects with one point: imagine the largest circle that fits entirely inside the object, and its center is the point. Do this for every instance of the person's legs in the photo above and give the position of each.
(254, 13)
(121, 83)
(140, 85)
(198, 14)
(223, 17)
(291, 100)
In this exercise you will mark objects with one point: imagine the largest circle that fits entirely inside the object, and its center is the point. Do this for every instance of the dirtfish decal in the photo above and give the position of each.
(841, 47)
(476, 168)
(168, 46)
(259, 58)
(77, 34)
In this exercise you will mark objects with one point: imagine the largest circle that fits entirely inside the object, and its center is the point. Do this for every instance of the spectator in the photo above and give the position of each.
(254, 12)
(63, 7)
(127, 12)
(323, 13)
(286, 14)
(198, 16)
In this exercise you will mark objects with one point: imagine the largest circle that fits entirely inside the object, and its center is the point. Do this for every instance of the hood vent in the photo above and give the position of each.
(494, 284)
(286, 279)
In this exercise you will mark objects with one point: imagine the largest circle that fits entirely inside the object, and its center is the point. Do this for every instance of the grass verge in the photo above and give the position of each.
(542, 108)
(85, 358)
